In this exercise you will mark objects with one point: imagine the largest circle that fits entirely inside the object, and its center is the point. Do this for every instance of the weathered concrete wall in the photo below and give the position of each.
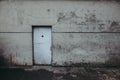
(15, 49)
(83, 31)
(85, 16)
(71, 48)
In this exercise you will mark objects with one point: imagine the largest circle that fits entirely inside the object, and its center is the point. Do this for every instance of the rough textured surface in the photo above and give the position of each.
(60, 73)
(64, 16)
(15, 49)
(83, 31)
(74, 48)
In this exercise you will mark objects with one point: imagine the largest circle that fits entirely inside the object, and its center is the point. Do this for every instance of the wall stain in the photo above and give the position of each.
(61, 16)
(3, 61)
(88, 19)
(115, 26)
(114, 60)
(113, 55)
(73, 18)
(101, 27)
(91, 18)
(5, 57)
(67, 16)
(1, 51)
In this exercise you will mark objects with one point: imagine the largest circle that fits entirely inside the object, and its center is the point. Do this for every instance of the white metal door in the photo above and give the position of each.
(42, 45)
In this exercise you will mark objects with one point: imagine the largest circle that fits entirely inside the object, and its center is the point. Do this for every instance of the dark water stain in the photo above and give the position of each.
(1, 51)
(6, 62)
(3, 61)
(115, 26)
(114, 60)
(113, 53)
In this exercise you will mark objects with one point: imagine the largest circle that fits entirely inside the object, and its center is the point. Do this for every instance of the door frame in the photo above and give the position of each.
(33, 60)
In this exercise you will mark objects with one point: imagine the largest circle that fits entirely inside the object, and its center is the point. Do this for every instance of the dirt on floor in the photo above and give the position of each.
(59, 73)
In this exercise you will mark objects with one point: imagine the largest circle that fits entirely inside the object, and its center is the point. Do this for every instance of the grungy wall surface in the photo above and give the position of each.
(82, 31)
(15, 48)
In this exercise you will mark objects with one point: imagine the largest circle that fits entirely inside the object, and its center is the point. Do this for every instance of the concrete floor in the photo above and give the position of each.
(59, 73)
